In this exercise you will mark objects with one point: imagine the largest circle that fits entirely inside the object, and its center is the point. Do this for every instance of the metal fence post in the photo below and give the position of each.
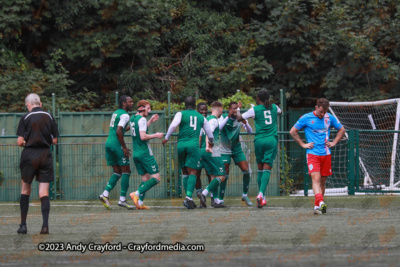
(282, 128)
(53, 185)
(350, 163)
(357, 160)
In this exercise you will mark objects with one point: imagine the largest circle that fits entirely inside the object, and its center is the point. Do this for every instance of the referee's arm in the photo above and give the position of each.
(21, 132)
(21, 141)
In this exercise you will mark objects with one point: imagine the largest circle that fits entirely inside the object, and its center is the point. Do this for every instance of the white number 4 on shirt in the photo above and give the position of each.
(193, 122)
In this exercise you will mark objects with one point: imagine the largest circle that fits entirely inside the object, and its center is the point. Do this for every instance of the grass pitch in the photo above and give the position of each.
(357, 230)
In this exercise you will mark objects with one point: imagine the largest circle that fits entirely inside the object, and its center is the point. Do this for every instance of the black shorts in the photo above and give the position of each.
(37, 162)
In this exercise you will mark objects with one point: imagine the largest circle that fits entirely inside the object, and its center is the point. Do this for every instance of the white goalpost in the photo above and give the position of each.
(379, 160)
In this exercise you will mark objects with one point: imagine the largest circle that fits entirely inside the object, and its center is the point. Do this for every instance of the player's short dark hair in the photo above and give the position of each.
(232, 103)
(263, 95)
(122, 99)
(201, 104)
(216, 104)
(190, 102)
(323, 102)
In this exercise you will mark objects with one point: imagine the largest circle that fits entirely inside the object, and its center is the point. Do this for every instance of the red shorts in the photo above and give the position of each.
(322, 164)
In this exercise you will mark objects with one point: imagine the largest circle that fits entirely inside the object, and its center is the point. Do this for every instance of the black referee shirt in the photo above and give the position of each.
(38, 128)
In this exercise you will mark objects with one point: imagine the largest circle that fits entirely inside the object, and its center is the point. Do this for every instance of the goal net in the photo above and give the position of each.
(379, 158)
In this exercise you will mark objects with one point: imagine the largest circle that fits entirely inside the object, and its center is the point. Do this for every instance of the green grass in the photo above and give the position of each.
(358, 230)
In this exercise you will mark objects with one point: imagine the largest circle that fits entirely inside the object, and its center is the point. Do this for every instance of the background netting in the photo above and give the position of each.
(376, 148)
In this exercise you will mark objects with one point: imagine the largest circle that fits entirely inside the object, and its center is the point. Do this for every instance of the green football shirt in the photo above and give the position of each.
(230, 135)
(265, 120)
(119, 118)
(141, 148)
(214, 125)
(190, 126)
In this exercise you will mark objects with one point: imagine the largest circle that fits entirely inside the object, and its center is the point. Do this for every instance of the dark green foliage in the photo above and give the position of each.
(86, 50)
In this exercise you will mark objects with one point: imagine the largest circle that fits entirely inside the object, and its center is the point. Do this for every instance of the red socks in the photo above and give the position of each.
(318, 199)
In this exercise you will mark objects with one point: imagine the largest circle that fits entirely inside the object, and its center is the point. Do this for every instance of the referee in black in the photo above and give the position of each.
(37, 130)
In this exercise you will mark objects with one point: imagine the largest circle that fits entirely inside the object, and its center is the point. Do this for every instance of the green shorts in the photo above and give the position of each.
(145, 165)
(200, 165)
(266, 149)
(237, 156)
(115, 156)
(213, 165)
(188, 155)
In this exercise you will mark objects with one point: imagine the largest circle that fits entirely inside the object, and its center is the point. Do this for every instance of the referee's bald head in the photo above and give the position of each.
(32, 99)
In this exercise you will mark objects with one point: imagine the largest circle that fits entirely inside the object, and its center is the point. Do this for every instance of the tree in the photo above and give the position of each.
(86, 50)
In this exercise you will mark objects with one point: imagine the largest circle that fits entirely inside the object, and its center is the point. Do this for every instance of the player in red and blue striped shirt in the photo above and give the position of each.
(317, 126)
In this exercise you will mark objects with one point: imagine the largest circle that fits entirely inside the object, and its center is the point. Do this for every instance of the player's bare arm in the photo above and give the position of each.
(153, 119)
(239, 116)
(209, 145)
(144, 136)
(339, 136)
(294, 132)
(120, 136)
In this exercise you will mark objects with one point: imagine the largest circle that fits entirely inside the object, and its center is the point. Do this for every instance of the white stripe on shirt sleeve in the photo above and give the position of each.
(123, 120)
(222, 121)
(213, 124)
(249, 114)
(175, 122)
(142, 125)
(278, 110)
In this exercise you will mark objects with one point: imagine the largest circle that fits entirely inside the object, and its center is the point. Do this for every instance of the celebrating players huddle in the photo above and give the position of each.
(211, 143)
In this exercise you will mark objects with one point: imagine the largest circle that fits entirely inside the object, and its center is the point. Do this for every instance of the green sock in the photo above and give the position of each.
(246, 182)
(141, 196)
(124, 184)
(214, 186)
(259, 176)
(265, 181)
(113, 181)
(147, 185)
(185, 181)
(215, 192)
(222, 188)
(191, 183)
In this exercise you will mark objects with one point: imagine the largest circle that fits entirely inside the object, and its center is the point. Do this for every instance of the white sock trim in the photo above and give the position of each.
(205, 192)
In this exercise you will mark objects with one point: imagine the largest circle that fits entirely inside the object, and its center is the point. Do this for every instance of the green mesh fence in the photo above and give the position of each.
(81, 171)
